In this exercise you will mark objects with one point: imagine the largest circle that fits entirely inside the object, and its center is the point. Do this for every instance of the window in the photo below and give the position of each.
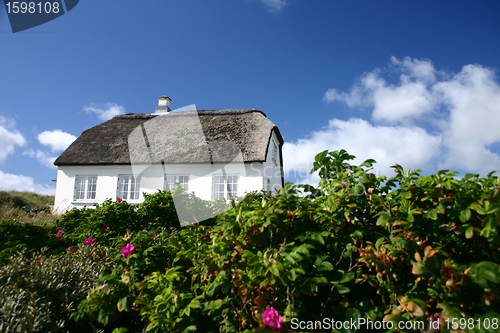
(85, 187)
(171, 180)
(224, 187)
(274, 152)
(128, 187)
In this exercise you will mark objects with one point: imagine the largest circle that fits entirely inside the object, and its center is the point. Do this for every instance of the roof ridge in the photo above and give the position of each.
(190, 112)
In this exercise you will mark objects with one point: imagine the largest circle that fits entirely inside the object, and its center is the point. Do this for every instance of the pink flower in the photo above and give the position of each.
(58, 235)
(119, 199)
(89, 241)
(71, 249)
(271, 318)
(127, 250)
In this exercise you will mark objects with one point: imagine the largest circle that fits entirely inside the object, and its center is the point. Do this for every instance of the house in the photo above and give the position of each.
(215, 153)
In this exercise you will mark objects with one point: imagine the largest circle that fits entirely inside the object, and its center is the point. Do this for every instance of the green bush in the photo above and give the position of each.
(39, 293)
(102, 222)
(157, 212)
(407, 248)
(17, 236)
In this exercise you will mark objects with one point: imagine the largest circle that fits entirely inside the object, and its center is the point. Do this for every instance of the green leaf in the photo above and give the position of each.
(122, 304)
(347, 277)
(320, 239)
(120, 330)
(401, 243)
(326, 266)
(321, 156)
(295, 256)
(195, 303)
(152, 326)
(488, 270)
(432, 214)
(304, 249)
(102, 317)
(465, 215)
(368, 163)
(343, 290)
(477, 207)
(290, 259)
(410, 218)
(274, 270)
(384, 216)
(469, 233)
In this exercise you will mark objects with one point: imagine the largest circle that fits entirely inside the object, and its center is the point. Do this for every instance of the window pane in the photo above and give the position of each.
(183, 180)
(91, 187)
(134, 187)
(123, 187)
(171, 180)
(232, 186)
(169, 183)
(218, 186)
(80, 188)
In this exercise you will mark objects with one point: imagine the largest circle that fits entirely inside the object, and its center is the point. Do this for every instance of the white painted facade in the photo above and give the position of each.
(252, 176)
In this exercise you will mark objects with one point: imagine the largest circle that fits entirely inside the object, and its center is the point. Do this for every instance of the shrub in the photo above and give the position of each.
(17, 236)
(409, 248)
(38, 293)
(102, 222)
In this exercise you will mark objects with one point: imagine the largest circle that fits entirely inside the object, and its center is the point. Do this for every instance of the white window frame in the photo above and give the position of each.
(129, 187)
(85, 188)
(226, 189)
(169, 185)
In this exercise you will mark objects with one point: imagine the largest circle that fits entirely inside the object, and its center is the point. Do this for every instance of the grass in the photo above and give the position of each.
(11, 203)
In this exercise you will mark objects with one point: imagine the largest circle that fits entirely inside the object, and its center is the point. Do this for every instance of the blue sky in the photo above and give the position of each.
(408, 82)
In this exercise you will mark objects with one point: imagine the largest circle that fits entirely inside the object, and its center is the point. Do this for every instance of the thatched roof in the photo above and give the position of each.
(175, 137)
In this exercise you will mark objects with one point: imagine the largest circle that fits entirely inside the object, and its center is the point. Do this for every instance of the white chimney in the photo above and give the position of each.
(163, 104)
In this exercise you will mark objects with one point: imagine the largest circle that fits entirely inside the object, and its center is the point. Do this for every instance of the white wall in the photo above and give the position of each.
(152, 180)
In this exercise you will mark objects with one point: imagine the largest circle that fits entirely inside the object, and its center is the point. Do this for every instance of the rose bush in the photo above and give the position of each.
(408, 248)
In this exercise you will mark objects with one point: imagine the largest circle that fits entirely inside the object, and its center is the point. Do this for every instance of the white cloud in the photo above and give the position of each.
(43, 157)
(9, 138)
(461, 111)
(409, 146)
(401, 103)
(422, 70)
(275, 5)
(57, 140)
(472, 98)
(11, 182)
(108, 111)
